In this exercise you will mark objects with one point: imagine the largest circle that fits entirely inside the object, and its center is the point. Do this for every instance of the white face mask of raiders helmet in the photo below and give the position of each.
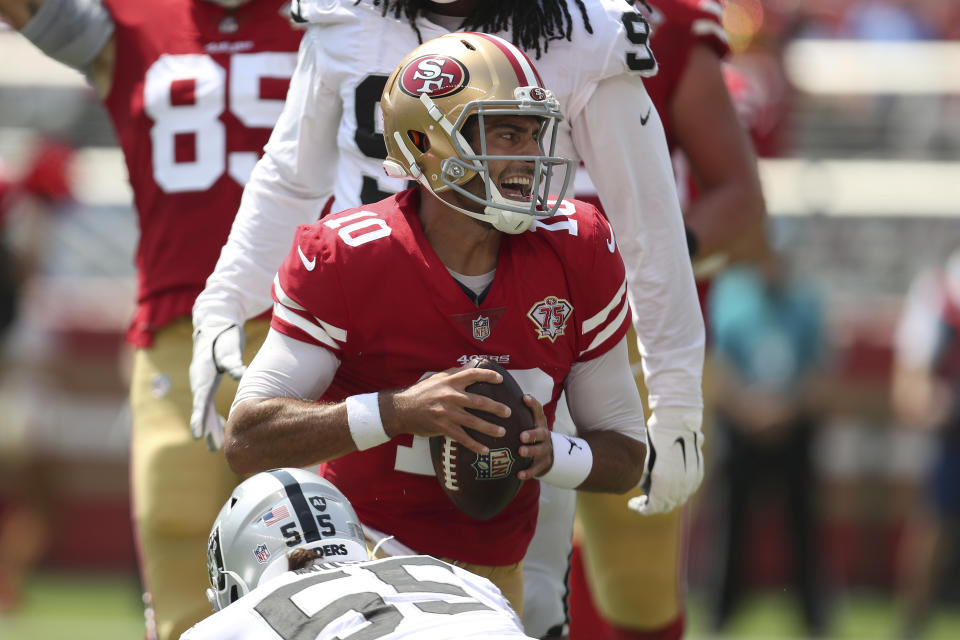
(270, 514)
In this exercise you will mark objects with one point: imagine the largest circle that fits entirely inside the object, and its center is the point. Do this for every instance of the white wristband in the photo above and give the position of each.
(572, 462)
(363, 418)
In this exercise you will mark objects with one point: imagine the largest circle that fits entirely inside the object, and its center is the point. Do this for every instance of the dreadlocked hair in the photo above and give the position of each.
(299, 558)
(532, 24)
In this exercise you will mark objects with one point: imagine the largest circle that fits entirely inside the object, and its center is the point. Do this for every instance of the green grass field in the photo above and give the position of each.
(107, 607)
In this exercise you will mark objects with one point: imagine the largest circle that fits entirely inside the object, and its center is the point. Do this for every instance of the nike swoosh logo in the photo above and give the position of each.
(612, 242)
(683, 450)
(643, 119)
(307, 264)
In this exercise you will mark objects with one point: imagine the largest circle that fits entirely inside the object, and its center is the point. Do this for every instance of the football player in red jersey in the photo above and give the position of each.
(193, 88)
(377, 306)
(329, 140)
(613, 597)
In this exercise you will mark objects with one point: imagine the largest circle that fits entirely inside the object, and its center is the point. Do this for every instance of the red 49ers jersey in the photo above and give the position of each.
(679, 25)
(367, 285)
(196, 91)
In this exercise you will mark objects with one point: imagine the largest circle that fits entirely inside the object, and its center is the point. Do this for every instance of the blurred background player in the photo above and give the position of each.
(267, 585)
(327, 140)
(926, 396)
(28, 200)
(768, 342)
(724, 219)
(193, 88)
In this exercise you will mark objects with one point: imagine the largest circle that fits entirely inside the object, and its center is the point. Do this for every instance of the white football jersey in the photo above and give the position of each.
(356, 49)
(411, 597)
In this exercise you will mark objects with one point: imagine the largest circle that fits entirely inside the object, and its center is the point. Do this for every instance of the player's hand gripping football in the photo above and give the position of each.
(674, 464)
(537, 442)
(437, 406)
(217, 349)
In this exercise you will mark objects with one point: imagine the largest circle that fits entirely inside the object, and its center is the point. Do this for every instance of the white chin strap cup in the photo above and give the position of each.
(509, 221)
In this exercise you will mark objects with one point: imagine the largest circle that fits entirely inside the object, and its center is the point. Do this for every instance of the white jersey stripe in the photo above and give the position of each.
(282, 296)
(711, 6)
(594, 322)
(705, 27)
(336, 333)
(610, 329)
(313, 330)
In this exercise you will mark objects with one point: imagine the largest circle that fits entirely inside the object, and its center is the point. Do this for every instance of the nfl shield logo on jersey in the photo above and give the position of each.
(481, 328)
(495, 465)
(262, 553)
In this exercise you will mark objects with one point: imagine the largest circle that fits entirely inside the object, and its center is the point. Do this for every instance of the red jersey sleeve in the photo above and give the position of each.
(677, 26)
(309, 302)
(599, 284)
(706, 25)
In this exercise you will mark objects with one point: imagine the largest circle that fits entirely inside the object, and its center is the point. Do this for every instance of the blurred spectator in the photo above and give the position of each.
(926, 387)
(885, 20)
(768, 343)
(27, 203)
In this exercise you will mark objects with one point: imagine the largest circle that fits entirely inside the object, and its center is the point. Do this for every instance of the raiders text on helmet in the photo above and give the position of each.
(428, 100)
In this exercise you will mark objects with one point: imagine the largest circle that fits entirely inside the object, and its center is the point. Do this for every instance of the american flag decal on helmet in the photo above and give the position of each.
(276, 515)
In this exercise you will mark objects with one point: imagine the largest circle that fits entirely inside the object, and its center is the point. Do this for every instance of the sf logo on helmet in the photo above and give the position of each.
(436, 76)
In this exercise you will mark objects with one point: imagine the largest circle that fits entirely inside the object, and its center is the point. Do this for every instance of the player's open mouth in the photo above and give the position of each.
(516, 187)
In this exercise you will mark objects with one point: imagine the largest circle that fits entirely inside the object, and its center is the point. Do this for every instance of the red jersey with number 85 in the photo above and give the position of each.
(196, 91)
(367, 285)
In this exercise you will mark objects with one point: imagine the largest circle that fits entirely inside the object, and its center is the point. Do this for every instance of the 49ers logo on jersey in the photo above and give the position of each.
(435, 76)
(550, 317)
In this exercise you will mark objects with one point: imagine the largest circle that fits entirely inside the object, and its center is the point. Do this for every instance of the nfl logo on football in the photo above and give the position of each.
(262, 553)
(481, 328)
(495, 465)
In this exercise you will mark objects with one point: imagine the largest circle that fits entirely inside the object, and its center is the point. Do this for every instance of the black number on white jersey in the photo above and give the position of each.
(368, 139)
(638, 33)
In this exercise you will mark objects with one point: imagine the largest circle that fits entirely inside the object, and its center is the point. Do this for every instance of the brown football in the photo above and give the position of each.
(481, 486)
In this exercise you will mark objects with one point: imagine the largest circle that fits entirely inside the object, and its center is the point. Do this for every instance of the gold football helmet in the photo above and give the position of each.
(430, 96)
